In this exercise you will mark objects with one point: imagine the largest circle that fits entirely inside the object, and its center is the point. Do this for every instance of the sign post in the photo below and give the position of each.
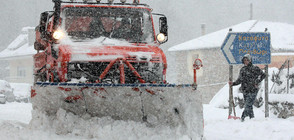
(266, 93)
(237, 44)
(231, 98)
(196, 66)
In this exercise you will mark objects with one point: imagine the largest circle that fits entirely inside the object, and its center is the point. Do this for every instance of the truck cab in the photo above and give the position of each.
(98, 42)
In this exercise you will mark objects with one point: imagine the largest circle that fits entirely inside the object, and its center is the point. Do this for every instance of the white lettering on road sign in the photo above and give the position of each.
(227, 48)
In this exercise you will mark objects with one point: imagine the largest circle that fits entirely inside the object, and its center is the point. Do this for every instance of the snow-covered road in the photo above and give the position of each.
(16, 111)
(15, 117)
(218, 127)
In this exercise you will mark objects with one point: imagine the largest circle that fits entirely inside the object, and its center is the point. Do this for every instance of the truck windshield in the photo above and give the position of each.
(130, 24)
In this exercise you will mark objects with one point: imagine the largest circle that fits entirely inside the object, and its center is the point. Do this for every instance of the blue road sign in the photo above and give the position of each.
(257, 44)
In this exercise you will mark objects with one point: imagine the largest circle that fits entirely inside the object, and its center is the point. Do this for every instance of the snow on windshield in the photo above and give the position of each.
(130, 24)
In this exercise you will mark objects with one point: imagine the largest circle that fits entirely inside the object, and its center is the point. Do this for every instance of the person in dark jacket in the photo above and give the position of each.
(250, 77)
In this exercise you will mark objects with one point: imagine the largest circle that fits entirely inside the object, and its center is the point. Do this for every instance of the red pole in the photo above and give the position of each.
(195, 81)
(106, 70)
(134, 71)
(52, 77)
(122, 72)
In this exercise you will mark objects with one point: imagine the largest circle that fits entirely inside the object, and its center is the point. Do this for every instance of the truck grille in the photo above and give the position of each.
(150, 72)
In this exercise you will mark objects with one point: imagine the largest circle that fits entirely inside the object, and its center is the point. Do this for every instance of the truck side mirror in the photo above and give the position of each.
(42, 27)
(162, 36)
(163, 25)
(43, 21)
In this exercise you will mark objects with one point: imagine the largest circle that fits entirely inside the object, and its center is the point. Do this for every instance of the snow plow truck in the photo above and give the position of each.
(103, 59)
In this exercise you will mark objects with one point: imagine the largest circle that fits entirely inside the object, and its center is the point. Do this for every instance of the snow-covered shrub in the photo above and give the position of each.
(282, 109)
(282, 105)
(21, 92)
(281, 97)
(6, 89)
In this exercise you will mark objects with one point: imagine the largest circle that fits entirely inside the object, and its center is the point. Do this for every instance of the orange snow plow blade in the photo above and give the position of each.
(178, 106)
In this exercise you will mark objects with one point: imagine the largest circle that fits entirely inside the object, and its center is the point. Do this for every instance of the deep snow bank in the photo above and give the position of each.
(68, 124)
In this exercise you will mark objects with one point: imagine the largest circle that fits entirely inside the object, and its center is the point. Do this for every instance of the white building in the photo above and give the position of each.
(215, 72)
(19, 55)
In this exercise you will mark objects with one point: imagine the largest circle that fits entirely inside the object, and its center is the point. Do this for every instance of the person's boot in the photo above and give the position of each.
(251, 115)
(242, 119)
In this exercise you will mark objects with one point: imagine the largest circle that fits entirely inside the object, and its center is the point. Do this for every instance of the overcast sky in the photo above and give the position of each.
(184, 16)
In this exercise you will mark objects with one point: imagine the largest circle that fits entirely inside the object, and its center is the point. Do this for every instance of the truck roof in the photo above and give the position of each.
(131, 5)
(102, 5)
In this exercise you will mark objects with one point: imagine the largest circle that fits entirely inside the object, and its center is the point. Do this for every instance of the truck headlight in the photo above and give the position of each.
(160, 37)
(58, 34)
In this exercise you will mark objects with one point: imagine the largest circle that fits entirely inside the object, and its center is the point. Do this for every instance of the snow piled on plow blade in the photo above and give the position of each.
(178, 108)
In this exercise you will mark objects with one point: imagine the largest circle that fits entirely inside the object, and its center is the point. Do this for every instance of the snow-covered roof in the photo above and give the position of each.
(19, 47)
(282, 36)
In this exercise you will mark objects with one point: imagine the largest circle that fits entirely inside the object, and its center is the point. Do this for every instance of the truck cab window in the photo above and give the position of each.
(118, 23)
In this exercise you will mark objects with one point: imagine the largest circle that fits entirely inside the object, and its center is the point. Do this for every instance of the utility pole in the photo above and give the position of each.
(266, 92)
(251, 11)
(266, 89)
(231, 99)
(203, 29)
(288, 77)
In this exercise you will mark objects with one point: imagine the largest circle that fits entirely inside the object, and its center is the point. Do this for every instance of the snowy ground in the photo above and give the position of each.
(15, 117)
(218, 127)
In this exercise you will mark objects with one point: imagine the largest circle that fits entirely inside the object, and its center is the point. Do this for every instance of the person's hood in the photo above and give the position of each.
(248, 56)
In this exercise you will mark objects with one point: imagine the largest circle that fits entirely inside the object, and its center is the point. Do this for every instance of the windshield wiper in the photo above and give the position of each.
(113, 26)
(138, 42)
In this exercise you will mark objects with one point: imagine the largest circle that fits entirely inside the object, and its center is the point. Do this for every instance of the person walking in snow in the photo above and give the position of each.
(250, 77)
